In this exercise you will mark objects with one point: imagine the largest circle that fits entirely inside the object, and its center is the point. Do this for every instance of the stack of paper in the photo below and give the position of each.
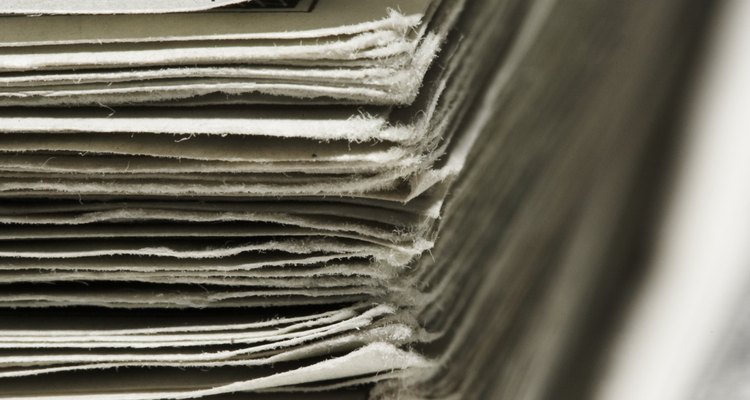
(393, 199)
(201, 198)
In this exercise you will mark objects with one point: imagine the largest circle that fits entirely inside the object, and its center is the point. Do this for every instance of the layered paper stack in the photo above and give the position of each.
(284, 163)
(286, 199)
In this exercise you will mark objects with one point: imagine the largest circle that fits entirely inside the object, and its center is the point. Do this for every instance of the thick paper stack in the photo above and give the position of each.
(287, 199)
(282, 163)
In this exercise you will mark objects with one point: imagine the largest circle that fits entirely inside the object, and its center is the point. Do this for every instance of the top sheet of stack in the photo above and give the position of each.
(375, 53)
